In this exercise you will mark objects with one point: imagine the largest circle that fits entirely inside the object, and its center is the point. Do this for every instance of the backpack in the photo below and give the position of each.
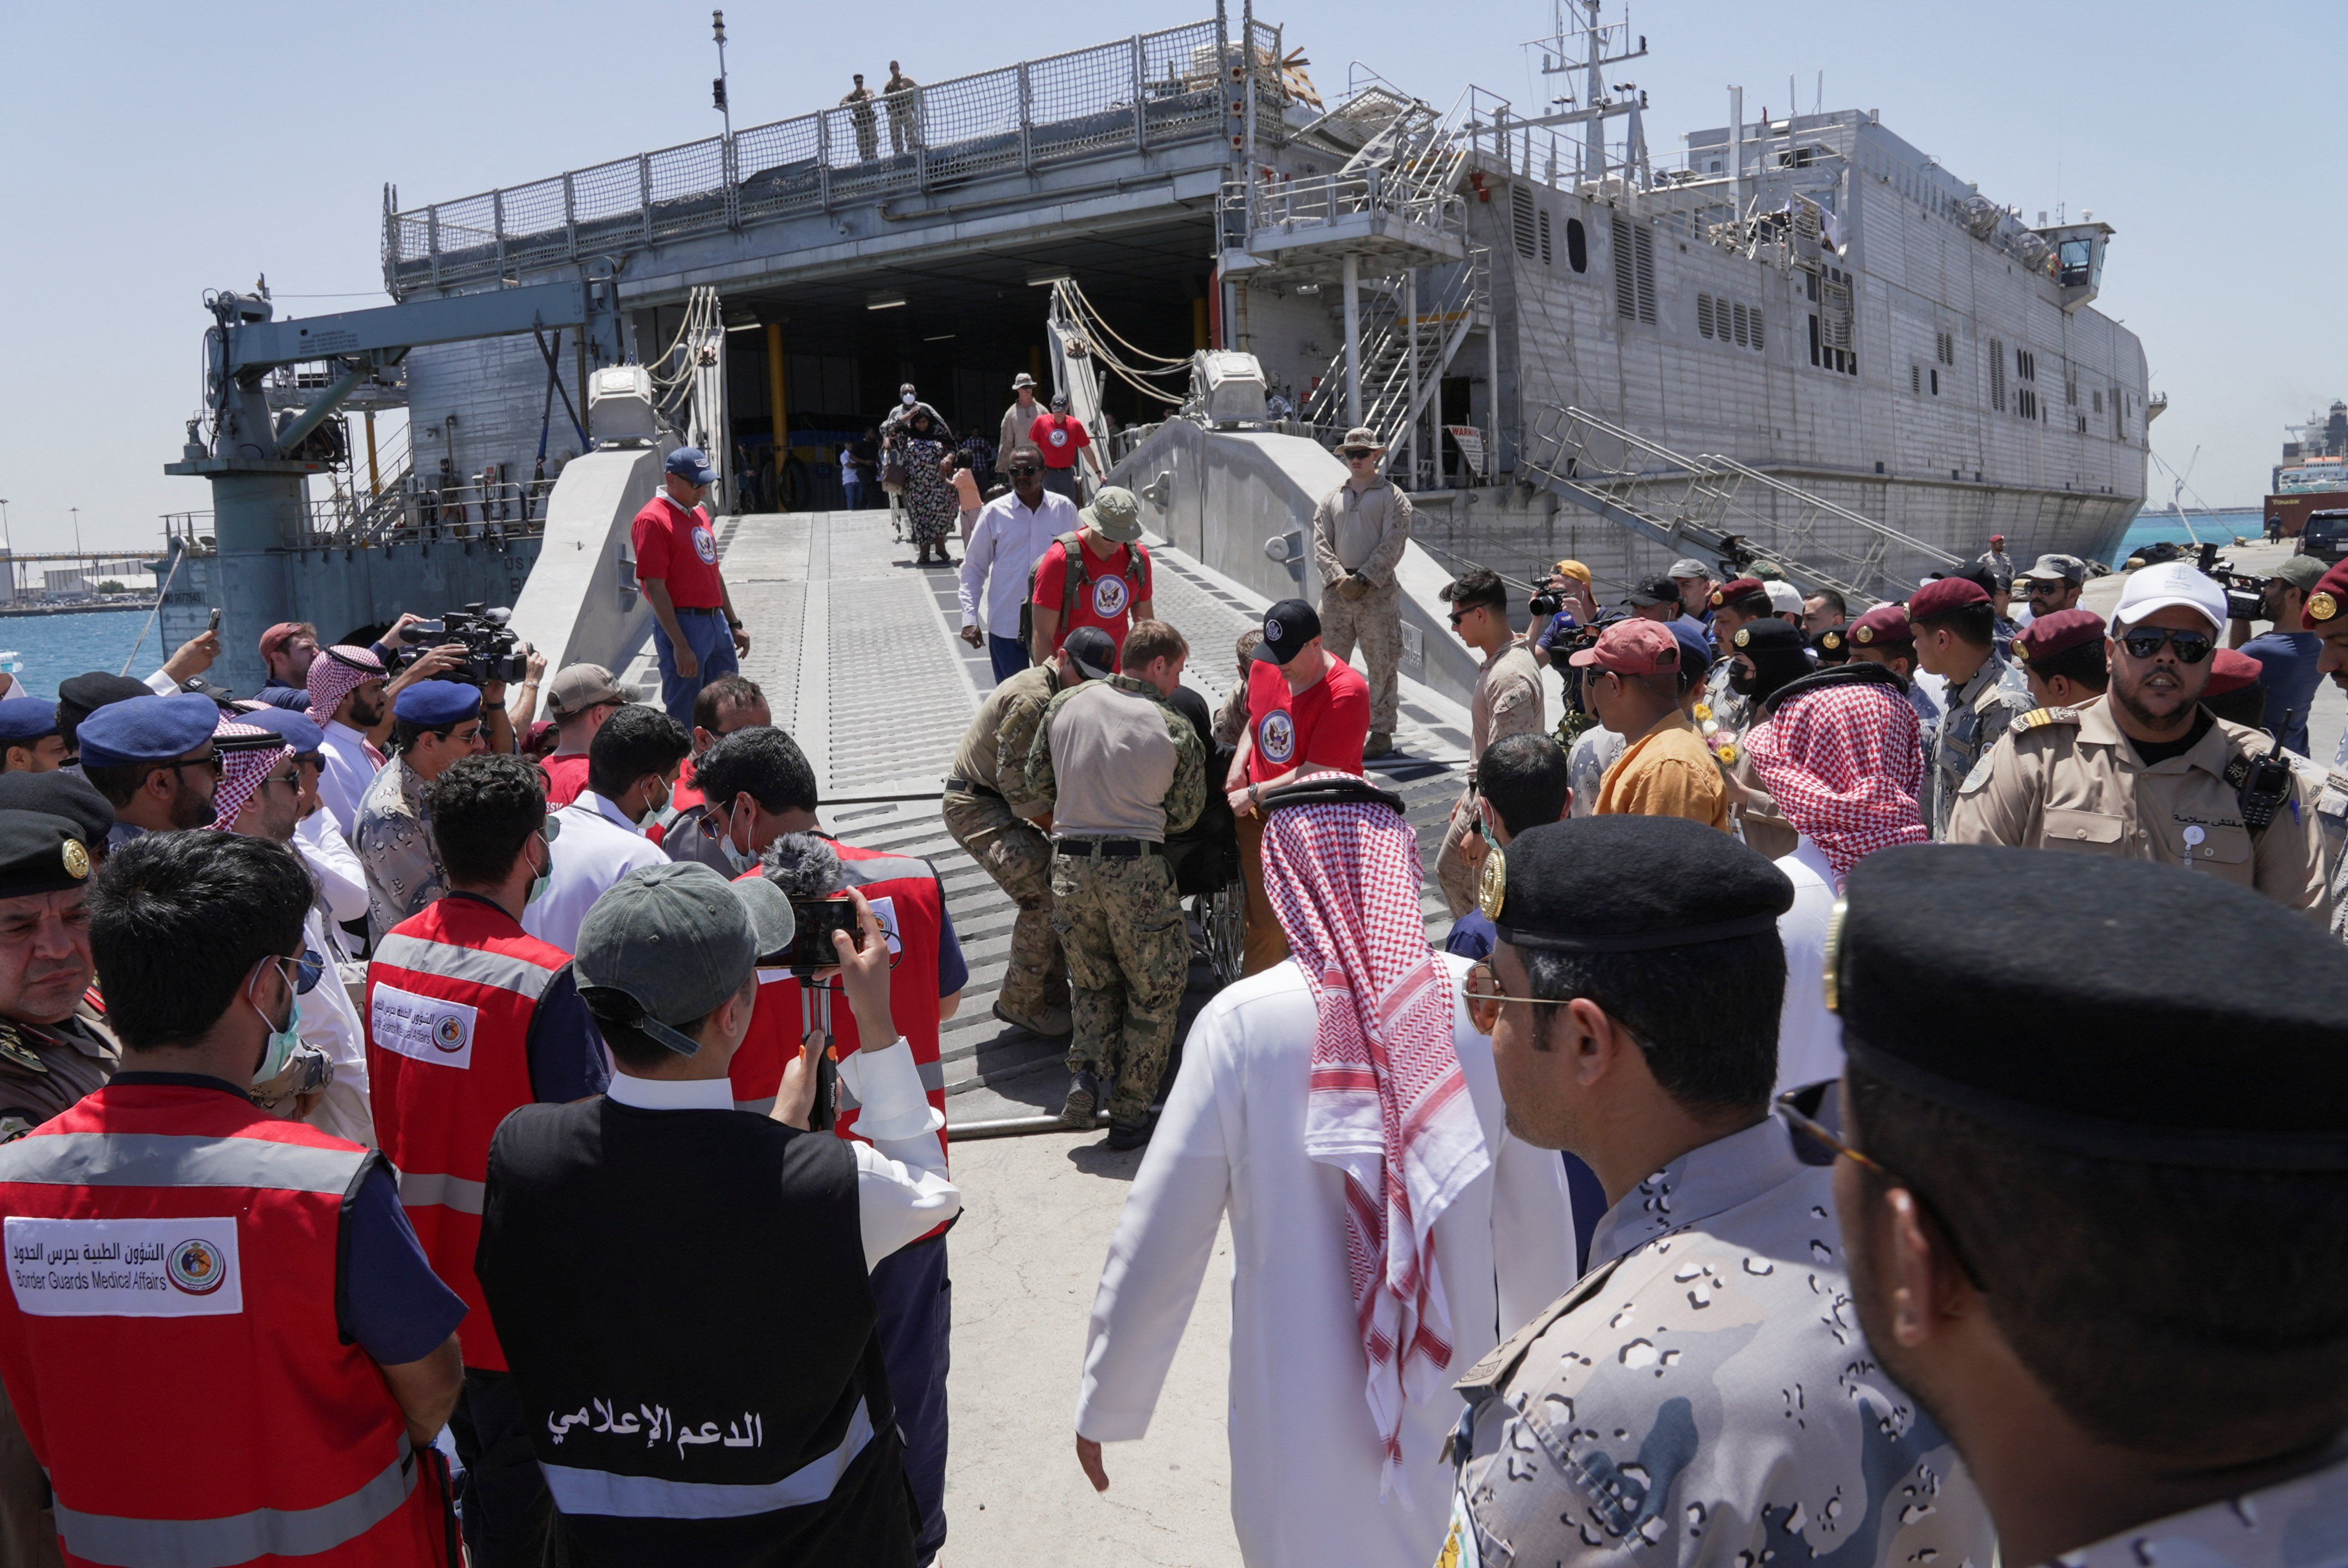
(1137, 573)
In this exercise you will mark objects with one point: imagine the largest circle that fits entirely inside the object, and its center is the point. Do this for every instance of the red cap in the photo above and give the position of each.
(1632, 648)
(1942, 595)
(1734, 588)
(2051, 634)
(2327, 602)
(1886, 623)
(279, 635)
(2230, 669)
(1997, 538)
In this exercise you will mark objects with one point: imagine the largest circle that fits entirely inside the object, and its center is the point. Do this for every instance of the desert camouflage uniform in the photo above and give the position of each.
(1375, 619)
(1119, 922)
(395, 844)
(1980, 712)
(1704, 1397)
(993, 823)
(2291, 1524)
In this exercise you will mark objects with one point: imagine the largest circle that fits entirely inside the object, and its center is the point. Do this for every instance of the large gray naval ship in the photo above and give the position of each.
(1795, 338)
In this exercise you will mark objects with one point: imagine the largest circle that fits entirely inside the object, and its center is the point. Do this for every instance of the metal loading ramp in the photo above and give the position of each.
(1715, 506)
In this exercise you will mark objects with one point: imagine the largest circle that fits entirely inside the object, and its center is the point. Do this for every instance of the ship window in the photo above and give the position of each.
(1544, 236)
(1945, 346)
(1812, 279)
(1753, 319)
(1814, 338)
(1936, 384)
(1736, 317)
(2099, 402)
(1520, 212)
(1577, 245)
(1704, 316)
(1916, 379)
(2070, 391)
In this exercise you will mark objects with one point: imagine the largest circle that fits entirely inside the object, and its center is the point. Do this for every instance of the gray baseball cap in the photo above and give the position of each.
(1688, 566)
(579, 687)
(676, 941)
(2057, 569)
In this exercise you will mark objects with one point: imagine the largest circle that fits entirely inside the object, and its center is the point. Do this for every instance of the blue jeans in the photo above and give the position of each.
(713, 643)
(1010, 656)
(854, 490)
(915, 1300)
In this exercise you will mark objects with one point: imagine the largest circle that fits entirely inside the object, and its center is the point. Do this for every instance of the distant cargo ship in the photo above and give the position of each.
(2314, 473)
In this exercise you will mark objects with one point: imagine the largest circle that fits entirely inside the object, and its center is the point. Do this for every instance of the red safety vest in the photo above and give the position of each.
(904, 892)
(450, 994)
(169, 1340)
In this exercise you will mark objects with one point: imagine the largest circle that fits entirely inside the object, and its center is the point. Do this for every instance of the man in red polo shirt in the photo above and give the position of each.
(676, 567)
(1112, 587)
(1307, 713)
(1059, 435)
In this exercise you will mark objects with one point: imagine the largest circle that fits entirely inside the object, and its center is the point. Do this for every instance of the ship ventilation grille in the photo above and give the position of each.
(1520, 212)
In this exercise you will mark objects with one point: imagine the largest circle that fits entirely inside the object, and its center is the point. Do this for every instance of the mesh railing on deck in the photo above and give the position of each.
(1151, 90)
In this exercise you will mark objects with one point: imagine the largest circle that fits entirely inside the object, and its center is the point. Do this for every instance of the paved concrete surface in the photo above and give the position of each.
(1025, 1254)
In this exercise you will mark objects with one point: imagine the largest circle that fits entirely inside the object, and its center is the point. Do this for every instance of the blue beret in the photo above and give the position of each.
(25, 720)
(437, 704)
(295, 728)
(152, 729)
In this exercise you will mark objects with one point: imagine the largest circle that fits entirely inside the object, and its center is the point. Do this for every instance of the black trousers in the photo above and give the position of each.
(508, 1513)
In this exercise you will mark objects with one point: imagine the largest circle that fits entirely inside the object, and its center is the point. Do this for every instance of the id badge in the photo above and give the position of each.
(1459, 1539)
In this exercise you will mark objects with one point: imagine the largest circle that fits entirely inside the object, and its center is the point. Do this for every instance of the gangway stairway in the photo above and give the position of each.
(1715, 505)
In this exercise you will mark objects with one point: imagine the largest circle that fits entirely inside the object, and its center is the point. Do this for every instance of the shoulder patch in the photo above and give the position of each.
(1979, 777)
(2038, 718)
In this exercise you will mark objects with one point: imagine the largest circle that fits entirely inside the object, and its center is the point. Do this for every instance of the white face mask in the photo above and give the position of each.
(907, 400)
(740, 859)
(650, 813)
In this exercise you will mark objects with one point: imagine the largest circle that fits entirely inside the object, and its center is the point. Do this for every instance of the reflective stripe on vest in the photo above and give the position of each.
(169, 1160)
(519, 976)
(238, 1537)
(423, 1189)
(599, 1492)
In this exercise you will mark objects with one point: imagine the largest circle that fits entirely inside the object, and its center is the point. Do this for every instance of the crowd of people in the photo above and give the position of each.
(1776, 1156)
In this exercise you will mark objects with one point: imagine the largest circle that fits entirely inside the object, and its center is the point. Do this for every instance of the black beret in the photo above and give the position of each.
(1631, 884)
(41, 853)
(2179, 1021)
(91, 691)
(1770, 634)
(59, 794)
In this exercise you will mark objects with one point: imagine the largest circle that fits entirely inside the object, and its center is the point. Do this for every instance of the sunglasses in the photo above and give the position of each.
(304, 971)
(1837, 1147)
(2193, 647)
(215, 763)
(1480, 989)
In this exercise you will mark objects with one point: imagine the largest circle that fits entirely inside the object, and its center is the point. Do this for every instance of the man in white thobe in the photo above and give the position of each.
(1312, 1480)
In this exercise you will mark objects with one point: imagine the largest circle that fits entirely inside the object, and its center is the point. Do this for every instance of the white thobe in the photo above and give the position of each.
(344, 773)
(1305, 1454)
(1809, 1038)
(331, 1023)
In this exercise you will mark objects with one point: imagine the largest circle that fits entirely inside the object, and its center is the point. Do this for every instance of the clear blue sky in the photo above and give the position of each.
(156, 151)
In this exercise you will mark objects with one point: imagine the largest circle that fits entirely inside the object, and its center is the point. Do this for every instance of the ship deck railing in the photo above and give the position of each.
(1153, 90)
(496, 513)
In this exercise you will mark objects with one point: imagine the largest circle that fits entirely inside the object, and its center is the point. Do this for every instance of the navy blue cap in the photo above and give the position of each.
(155, 731)
(1695, 648)
(25, 720)
(1288, 626)
(296, 729)
(437, 704)
(693, 463)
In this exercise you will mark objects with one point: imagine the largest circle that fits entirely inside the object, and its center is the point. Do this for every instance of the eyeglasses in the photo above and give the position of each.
(1835, 1145)
(305, 972)
(1484, 998)
(2193, 647)
(214, 761)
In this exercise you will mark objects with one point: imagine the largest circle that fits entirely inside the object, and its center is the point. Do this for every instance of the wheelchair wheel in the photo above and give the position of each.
(1222, 917)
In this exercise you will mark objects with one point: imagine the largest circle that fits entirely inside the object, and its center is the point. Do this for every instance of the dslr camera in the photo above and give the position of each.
(1546, 598)
(492, 652)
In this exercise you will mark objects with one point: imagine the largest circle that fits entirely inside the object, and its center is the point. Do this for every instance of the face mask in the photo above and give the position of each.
(907, 400)
(1742, 684)
(741, 860)
(538, 883)
(650, 813)
(281, 1042)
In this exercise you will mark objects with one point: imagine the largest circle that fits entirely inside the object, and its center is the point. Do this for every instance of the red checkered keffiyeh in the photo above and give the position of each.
(1843, 763)
(332, 679)
(244, 762)
(1387, 1103)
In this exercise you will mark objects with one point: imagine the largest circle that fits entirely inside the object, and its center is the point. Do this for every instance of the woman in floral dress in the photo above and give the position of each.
(932, 507)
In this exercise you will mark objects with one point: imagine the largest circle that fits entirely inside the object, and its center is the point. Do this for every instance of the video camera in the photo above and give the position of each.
(491, 650)
(2245, 594)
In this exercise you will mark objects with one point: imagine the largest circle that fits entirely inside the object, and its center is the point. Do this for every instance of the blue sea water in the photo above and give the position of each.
(2152, 527)
(50, 648)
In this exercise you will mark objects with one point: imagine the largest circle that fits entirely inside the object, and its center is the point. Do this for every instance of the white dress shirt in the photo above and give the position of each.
(595, 847)
(1003, 544)
(902, 1191)
(1809, 1038)
(346, 770)
(1305, 1457)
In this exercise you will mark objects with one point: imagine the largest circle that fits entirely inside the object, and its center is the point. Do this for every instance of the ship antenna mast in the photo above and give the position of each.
(1583, 43)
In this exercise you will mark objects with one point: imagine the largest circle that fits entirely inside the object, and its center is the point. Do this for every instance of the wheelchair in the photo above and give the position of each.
(1204, 860)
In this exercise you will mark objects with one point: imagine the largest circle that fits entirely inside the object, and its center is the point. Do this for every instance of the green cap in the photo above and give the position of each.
(2303, 572)
(1115, 514)
(668, 944)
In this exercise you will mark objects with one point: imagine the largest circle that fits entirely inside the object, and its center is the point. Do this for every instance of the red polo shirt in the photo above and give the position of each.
(1059, 436)
(675, 546)
(1322, 727)
(1109, 594)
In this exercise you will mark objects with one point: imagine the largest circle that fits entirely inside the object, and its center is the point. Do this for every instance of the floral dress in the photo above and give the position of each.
(931, 502)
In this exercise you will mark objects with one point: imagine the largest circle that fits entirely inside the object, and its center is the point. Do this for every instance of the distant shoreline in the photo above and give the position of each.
(115, 608)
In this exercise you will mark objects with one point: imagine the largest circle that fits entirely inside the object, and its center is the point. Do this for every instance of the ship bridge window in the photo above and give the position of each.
(1577, 245)
(1996, 375)
(2076, 258)
(2099, 402)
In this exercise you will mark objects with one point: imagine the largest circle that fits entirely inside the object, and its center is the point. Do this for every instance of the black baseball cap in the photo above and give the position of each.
(1288, 626)
(1654, 590)
(1091, 651)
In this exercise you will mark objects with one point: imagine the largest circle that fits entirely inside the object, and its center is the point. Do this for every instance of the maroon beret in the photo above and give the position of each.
(2230, 669)
(2325, 603)
(1944, 595)
(1886, 623)
(1729, 592)
(2051, 634)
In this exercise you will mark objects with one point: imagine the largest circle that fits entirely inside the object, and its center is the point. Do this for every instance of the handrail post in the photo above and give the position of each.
(729, 163)
(571, 214)
(644, 193)
(1140, 111)
(432, 227)
(1026, 121)
(823, 157)
(921, 140)
(498, 222)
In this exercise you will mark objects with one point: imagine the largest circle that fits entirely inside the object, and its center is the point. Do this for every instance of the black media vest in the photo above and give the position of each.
(683, 1298)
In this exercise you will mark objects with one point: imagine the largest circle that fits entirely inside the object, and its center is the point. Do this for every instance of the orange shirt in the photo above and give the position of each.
(1667, 771)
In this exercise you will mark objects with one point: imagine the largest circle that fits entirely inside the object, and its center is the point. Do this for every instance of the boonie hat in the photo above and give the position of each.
(1360, 438)
(692, 462)
(1632, 648)
(2170, 585)
(1022, 379)
(1288, 626)
(579, 687)
(1116, 513)
(675, 941)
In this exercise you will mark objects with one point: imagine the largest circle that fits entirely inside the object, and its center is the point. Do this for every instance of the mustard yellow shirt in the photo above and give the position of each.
(1667, 771)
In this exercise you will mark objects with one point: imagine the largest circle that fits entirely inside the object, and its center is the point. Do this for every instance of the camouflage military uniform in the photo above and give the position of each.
(2332, 811)
(990, 818)
(1731, 709)
(1363, 532)
(1704, 1398)
(2295, 1523)
(394, 845)
(1118, 919)
(1980, 712)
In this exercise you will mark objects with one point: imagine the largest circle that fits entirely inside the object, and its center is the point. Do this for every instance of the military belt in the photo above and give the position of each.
(1107, 848)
